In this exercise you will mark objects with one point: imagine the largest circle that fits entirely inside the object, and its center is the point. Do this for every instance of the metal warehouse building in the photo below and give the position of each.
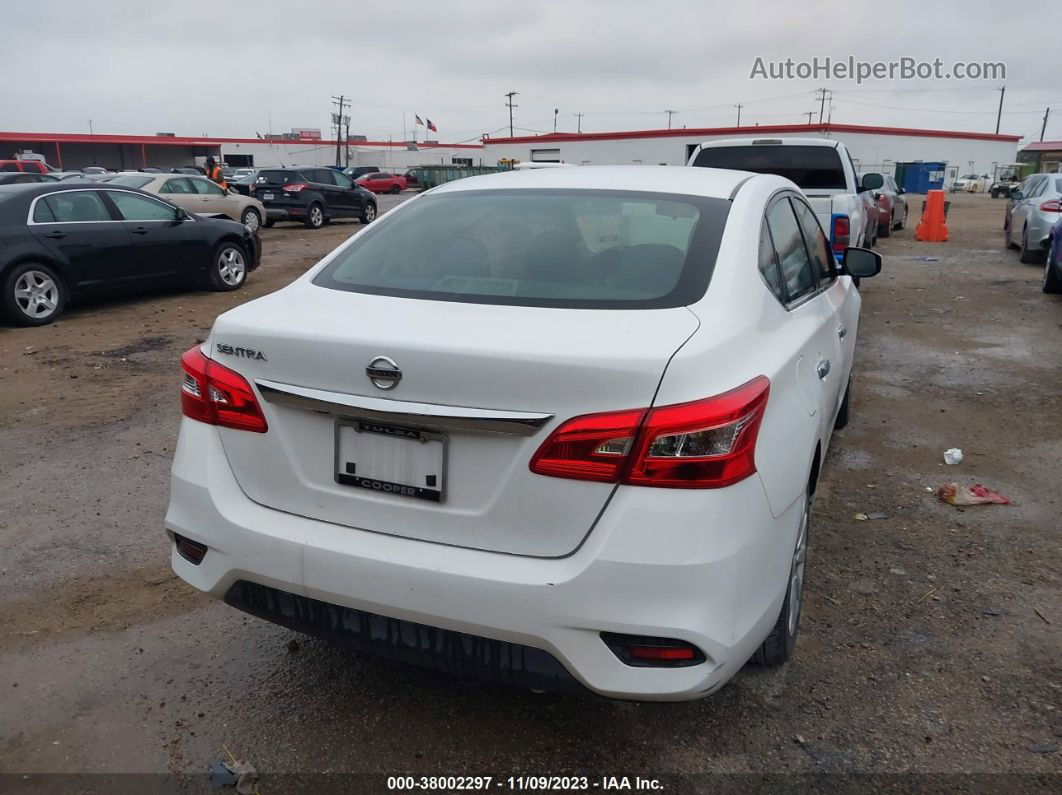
(872, 148)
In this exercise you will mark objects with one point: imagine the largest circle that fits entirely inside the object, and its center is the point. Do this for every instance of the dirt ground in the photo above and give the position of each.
(930, 647)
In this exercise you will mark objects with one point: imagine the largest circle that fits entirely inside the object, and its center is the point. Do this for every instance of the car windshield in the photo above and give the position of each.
(810, 167)
(578, 249)
(130, 181)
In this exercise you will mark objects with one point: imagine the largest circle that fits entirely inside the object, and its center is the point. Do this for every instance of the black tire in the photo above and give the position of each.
(251, 217)
(41, 295)
(315, 217)
(1052, 277)
(368, 215)
(228, 268)
(1028, 255)
(395, 189)
(268, 222)
(842, 413)
(1008, 242)
(780, 643)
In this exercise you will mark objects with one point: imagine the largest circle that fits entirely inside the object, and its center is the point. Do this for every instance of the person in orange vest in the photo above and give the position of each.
(213, 171)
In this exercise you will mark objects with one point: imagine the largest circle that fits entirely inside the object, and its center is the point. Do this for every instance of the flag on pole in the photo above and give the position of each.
(432, 127)
(419, 121)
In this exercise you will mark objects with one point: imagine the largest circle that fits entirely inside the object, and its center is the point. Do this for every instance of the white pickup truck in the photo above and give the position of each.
(820, 167)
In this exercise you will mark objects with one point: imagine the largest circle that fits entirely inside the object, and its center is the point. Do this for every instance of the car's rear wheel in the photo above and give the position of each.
(34, 295)
(781, 642)
(395, 189)
(228, 269)
(368, 215)
(315, 217)
(1052, 276)
(1028, 256)
(251, 219)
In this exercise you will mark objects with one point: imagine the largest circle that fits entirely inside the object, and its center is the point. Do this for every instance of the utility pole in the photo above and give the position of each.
(999, 113)
(739, 106)
(338, 117)
(821, 92)
(555, 112)
(1044, 128)
(91, 133)
(509, 102)
(579, 116)
(346, 142)
(670, 113)
(809, 114)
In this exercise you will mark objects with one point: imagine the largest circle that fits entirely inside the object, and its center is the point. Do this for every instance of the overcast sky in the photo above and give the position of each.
(236, 68)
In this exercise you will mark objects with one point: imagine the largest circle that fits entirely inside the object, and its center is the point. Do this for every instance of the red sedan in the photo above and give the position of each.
(382, 182)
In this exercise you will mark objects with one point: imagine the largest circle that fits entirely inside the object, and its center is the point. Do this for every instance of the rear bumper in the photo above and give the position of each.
(706, 567)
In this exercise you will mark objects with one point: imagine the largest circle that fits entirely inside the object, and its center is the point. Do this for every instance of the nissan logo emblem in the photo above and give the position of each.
(383, 372)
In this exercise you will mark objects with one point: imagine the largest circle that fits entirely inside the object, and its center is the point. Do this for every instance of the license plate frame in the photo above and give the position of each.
(345, 472)
(268, 197)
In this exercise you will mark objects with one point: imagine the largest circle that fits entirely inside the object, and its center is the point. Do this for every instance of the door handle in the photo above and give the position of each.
(824, 368)
(55, 235)
(139, 230)
(842, 330)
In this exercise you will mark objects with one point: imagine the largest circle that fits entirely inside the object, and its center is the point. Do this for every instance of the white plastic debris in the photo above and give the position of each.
(953, 456)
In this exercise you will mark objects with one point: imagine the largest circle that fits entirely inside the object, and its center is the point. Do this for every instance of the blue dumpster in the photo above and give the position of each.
(920, 176)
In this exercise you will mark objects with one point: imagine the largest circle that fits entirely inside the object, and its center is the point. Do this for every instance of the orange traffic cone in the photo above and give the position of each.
(932, 229)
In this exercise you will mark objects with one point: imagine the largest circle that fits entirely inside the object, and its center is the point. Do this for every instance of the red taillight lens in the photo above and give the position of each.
(842, 232)
(1052, 206)
(216, 395)
(592, 447)
(705, 444)
(295, 187)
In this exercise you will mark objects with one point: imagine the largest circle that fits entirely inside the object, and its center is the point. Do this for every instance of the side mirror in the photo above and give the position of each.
(872, 181)
(180, 214)
(1015, 194)
(860, 263)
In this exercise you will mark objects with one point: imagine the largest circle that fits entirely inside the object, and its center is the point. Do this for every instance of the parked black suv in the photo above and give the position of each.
(312, 195)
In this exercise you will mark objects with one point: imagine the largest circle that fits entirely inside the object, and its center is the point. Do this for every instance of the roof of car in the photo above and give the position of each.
(709, 182)
(37, 188)
(765, 140)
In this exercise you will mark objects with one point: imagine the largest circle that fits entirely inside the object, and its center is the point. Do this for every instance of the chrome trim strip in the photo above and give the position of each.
(401, 412)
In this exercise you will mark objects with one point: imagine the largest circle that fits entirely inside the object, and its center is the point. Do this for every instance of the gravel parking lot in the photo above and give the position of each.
(930, 642)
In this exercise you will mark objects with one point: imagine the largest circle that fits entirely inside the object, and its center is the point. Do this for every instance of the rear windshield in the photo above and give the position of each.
(810, 167)
(278, 177)
(576, 249)
(131, 181)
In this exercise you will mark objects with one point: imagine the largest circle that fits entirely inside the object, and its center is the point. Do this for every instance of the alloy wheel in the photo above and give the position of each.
(370, 213)
(231, 266)
(36, 294)
(796, 575)
(250, 220)
(316, 216)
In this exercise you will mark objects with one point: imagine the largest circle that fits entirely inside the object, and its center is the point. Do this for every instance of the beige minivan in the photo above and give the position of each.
(197, 195)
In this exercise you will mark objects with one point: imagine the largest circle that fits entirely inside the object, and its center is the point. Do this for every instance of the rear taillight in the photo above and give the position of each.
(704, 444)
(295, 187)
(842, 232)
(1052, 206)
(217, 395)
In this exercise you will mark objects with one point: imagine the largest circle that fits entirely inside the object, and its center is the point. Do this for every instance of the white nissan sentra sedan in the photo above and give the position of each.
(558, 428)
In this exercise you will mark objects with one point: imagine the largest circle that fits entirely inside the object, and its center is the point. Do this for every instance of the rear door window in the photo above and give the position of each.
(342, 179)
(323, 176)
(181, 185)
(810, 167)
(769, 264)
(78, 206)
(797, 272)
(818, 249)
(570, 248)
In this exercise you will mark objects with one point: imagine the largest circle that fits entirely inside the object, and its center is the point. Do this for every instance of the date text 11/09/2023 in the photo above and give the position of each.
(521, 783)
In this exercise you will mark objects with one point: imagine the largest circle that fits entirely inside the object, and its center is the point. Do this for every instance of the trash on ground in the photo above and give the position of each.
(954, 494)
(925, 259)
(953, 456)
(233, 773)
(862, 517)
